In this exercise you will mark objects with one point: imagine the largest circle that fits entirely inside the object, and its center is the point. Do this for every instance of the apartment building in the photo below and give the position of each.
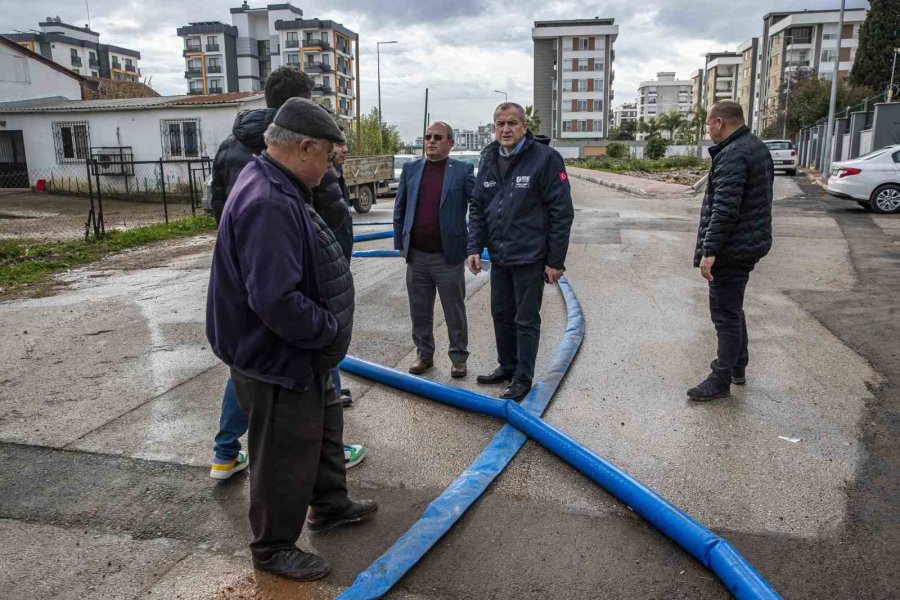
(573, 77)
(748, 89)
(797, 41)
(262, 39)
(697, 95)
(79, 50)
(662, 96)
(721, 79)
(625, 113)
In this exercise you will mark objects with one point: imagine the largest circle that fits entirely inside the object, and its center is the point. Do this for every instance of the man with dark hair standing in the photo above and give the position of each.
(280, 314)
(735, 233)
(522, 211)
(430, 232)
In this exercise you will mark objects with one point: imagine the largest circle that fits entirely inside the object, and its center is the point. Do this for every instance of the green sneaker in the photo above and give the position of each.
(223, 469)
(353, 454)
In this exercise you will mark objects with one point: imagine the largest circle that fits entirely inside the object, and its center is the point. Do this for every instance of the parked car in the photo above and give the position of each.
(872, 180)
(399, 161)
(469, 156)
(784, 155)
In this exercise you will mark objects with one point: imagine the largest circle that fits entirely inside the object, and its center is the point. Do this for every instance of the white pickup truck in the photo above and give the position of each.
(784, 155)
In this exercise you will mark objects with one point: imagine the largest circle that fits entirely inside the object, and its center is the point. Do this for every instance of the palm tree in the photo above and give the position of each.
(532, 120)
(671, 122)
(651, 126)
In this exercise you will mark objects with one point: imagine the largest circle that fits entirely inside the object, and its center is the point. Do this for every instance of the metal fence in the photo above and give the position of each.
(162, 181)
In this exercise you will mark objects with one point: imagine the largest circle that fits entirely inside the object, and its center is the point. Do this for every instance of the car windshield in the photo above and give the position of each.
(399, 161)
(780, 145)
(472, 159)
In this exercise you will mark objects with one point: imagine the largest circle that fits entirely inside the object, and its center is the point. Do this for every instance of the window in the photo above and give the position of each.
(829, 36)
(582, 64)
(582, 125)
(598, 127)
(598, 65)
(567, 85)
(326, 82)
(211, 40)
(71, 140)
(598, 105)
(567, 126)
(74, 53)
(291, 39)
(584, 43)
(598, 84)
(180, 138)
(581, 105)
(294, 59)
(215, 86)
(828, 55)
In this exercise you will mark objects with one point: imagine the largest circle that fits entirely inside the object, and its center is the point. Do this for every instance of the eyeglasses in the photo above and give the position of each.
(433, 136)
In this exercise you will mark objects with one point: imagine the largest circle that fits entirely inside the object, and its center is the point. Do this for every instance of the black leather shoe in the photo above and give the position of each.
(710, 389)
(498, 375)
(516, 391)
(346, 392)
(294, 564)
(739, 375)
(346, 400)
(355, 513)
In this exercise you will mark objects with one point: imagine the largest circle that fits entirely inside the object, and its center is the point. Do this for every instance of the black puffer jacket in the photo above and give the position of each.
(235, 152)
(736, 218)
(329, 202)
(337, 293)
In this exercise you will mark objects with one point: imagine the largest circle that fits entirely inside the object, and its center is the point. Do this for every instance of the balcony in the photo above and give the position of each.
(316, 43)
(214, 69)
(214, 90)
(195, 92)
(117, 65)
(193, 74)
(212, 48)
(192, 50)
(292, 43)
(322, 89)
(94, 62)
(76, 61)
(317, 67)
(130, 68)
(343, 48)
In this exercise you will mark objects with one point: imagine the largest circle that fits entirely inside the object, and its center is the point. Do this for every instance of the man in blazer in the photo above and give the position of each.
(430, 232)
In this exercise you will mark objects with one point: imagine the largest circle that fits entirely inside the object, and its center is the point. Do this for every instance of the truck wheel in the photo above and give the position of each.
(364, 198)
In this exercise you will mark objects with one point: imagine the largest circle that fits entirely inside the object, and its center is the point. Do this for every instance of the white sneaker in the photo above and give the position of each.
(220, 470)
(353, 454)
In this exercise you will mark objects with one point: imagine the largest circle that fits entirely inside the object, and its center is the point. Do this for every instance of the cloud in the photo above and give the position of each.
(461, 51)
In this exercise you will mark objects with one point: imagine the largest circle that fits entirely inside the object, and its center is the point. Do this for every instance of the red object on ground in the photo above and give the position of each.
(41, 185)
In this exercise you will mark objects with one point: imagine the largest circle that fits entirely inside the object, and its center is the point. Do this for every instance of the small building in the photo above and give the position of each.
(662, 96)
(627, 112)
(25, 74)
(54, 137)
(79, 50)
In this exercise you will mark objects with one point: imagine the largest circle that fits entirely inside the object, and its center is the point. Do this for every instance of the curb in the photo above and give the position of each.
(815, 177)
(624, 187)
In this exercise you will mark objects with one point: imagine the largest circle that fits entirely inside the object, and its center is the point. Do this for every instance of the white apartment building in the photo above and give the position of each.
(262, 39)
(626, 112)
(662, 96)
(803, 40)
(79, 50)
(721, 77)
(573, 77)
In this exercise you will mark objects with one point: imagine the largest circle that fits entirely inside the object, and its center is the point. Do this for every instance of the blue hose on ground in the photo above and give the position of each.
(447, 508)
(367, 223)
(713, 552)
(375, 253)
(375, 235)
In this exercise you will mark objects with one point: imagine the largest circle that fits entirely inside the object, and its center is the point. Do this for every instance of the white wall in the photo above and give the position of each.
(24, 78)
(139, 129)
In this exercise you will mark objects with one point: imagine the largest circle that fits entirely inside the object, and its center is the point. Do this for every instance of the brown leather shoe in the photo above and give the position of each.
(420, 366)
(458, 370)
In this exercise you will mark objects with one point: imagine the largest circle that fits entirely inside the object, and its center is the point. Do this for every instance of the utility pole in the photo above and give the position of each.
(890, 94)
(787, 96)
(829, 130)
(378, 59)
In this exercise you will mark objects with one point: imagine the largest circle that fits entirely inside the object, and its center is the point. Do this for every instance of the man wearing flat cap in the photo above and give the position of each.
(280, 314)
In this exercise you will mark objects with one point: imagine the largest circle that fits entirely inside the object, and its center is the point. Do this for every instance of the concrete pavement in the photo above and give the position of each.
(109, 403)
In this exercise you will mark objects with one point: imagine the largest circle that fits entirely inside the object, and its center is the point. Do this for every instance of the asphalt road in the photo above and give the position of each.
(109, 400)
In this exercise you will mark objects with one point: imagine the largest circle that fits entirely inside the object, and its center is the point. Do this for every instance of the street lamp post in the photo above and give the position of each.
(890, 94)
(378, 53)
(829, 130)
(787, 97)
(505, 95)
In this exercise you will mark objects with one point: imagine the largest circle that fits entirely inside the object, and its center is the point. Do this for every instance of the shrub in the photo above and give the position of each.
(617, 150)
(656, 147)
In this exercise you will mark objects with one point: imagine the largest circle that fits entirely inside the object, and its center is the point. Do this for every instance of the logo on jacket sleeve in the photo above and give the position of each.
(489, 184)
(563, 176)
(523, 181)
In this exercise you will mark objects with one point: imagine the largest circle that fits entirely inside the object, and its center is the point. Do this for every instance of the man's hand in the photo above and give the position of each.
(552, 275)
(706, 265)
(474, 263)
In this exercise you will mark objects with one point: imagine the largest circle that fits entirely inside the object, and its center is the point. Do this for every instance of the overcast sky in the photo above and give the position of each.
(461, 50)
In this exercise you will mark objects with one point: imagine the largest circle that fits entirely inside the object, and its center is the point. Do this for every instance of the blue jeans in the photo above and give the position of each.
(233, 421)
(232, 425)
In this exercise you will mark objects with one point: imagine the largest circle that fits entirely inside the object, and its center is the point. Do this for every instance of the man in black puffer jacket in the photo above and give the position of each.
(735, 233)
(246, 137)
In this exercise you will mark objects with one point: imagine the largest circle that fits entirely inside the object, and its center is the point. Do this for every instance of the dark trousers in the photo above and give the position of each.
(295, 442)
(726, 307)
(427, 273)
(516, 296)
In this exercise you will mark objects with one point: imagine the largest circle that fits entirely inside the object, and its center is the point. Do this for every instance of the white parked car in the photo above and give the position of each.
(399, 161)
(872, 180)
(469, 156)
(784, 155)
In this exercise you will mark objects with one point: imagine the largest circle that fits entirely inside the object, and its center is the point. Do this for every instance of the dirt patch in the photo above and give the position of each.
(683, 176)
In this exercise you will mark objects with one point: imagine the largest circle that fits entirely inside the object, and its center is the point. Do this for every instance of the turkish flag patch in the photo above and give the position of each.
(563, 176)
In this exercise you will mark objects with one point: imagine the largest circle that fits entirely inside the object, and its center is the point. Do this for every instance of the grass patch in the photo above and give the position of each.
(25, 262)
(618, 165)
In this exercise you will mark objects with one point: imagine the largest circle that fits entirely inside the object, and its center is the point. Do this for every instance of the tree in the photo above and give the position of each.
(671, 122)
(878, 36)
(372, 141)
(651, 126)
(809, 100)
(532, 119)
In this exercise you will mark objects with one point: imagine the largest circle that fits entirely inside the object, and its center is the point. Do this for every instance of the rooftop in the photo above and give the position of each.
(60, 104)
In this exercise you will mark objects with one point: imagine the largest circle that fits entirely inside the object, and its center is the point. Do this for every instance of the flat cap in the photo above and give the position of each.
(308, 118)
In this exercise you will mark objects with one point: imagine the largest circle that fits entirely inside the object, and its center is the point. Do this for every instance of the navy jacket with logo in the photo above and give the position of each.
(526, 217)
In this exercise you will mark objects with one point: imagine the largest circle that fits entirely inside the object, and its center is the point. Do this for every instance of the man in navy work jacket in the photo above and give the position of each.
(521, 210)
(735, 232)
(280, 314)
(430, 232)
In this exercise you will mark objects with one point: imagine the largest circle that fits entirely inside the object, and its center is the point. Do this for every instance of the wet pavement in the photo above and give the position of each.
(109, 401)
